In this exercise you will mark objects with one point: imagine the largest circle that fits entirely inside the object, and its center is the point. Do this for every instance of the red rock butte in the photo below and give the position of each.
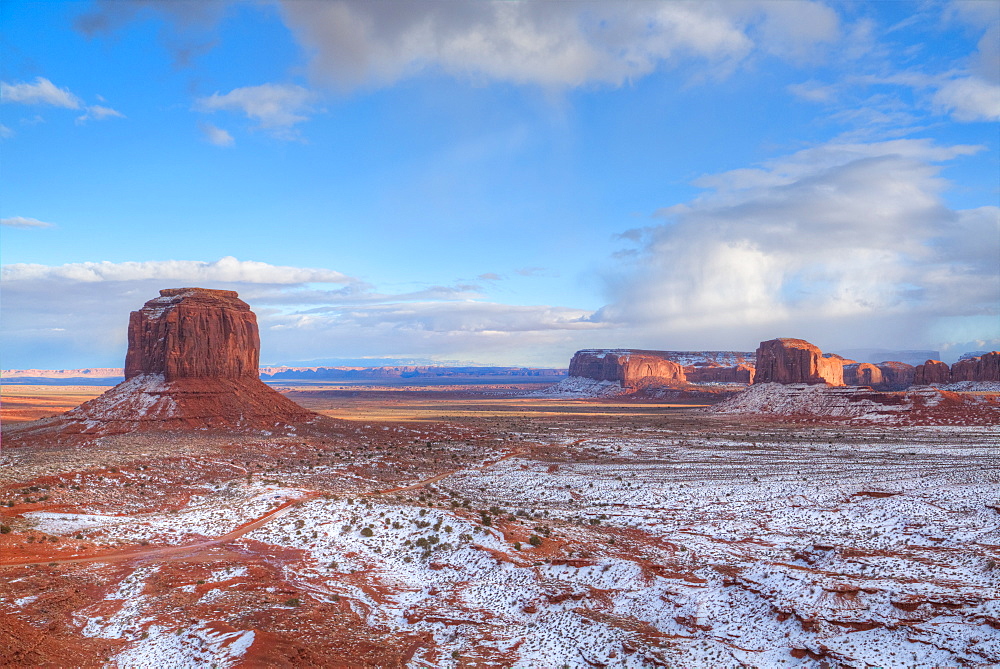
(797, 361)
(192, 363)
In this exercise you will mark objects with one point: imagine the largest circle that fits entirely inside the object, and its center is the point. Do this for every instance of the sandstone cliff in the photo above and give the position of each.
(862, 374)
(983, 368)
(932, 371)
(630, 368)
(191, 363)
(896, 375)
(719, 374)
(796, 361)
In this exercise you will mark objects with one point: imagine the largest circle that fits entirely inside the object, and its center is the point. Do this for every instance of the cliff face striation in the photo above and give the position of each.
(797, 361)
(191, 363)
(193, 333)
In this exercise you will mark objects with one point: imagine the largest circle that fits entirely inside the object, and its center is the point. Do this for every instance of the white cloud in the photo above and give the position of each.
(969, 99)
(215, 135)
(42, 92)
(76, 314)
(551, 44)
(22, 222)
(851, 244)
(275, 107)
(99, 113)
(225, 269)
(5, 132)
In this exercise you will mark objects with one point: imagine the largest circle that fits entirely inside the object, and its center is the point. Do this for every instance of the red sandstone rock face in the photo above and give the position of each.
(719, 374)
(193, 333)
(862, 374)
(191, 363)
(796, 361)
(932, 371)
(984, 368)
(632, 369)
(896, 375)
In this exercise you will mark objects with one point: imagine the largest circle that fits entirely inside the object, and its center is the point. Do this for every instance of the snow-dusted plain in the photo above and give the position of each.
(690, 540)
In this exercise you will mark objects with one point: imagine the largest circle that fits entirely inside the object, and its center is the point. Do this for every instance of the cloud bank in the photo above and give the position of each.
(848, 244)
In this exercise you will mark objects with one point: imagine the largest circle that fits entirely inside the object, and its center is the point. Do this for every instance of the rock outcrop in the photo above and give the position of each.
(796, 361)
(932, 372)
(719, 374)
(982, 368)
(632, 369)
(862, 374)
(191, 363)
(896, 375)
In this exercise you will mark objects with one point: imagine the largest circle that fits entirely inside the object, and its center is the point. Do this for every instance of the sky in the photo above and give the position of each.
(502, 183)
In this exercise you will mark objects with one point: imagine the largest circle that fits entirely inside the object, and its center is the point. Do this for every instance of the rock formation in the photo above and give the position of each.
(862, 374)
(796, 361)
(983, 368)
(631, 368)
(719, 374)
(932, 371)
(896, 375)
(191, 363)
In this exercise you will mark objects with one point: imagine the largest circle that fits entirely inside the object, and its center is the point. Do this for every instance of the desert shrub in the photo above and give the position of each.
(367, 532)
(4, 529)
(517, 545)
(535, 540)
(293, 601)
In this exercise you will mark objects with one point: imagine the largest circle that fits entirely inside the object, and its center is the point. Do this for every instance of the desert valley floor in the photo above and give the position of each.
(476, 527)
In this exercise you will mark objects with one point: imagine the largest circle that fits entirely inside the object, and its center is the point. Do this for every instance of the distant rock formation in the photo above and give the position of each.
(982, 368)
(862, 374)
(191, 363)
(719, 374)
(932, 372)
(797, 361)
(896, 375)
(632, 369)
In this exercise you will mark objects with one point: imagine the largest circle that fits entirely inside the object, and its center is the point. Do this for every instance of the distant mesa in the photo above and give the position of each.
(632, 369)
(984, 368)
(192, 363)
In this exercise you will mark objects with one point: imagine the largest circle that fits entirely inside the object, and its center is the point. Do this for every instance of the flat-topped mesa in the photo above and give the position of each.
(796, 361)
(193, 333)
(631, 368)
(985, 367)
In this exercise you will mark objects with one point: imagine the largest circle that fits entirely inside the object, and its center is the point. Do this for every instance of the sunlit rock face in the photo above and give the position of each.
(983, 368)
(862, 374)
(796, 361)
(630, 368)
(932, 371)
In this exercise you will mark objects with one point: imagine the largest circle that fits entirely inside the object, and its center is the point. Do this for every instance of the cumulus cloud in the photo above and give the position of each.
(851, 244)
(42, 92)
(23, 222)
(215, 135)
(275, 107)
(552, 44)
(969, 99)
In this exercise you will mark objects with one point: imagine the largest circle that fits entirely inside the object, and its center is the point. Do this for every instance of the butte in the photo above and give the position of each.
(192, 363)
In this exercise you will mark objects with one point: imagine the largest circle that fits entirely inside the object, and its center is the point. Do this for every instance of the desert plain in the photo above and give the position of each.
(490, 526)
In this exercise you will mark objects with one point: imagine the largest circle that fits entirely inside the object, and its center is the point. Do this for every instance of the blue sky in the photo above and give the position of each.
(502, 183)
